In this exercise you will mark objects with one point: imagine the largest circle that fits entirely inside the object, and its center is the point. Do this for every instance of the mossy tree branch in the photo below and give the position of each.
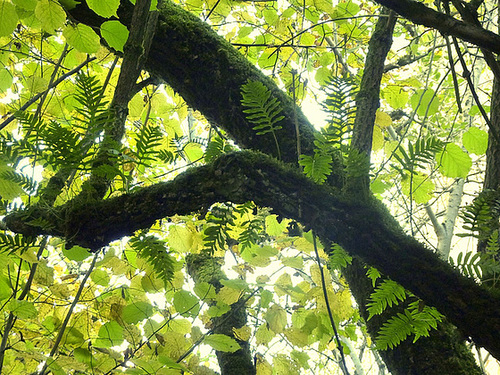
(365, 230)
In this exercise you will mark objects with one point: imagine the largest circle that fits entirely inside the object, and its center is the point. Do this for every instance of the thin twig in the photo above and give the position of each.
(68, 315)
(330, 315)
(39, 95)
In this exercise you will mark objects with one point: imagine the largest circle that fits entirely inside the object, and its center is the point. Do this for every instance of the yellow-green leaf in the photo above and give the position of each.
(82, 37)
(422, 187)
(50, 14)
(106, 8)
(475, 140)
(276, 317)
(115, 34)
(8, 17)
(222, 343)
(453, 161)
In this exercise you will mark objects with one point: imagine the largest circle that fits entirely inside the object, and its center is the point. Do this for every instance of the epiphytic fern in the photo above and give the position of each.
(156, 253)
(481, 216)
(388, 293)
(417, 320)
(262, 110)
(341, 110)
(418, 154)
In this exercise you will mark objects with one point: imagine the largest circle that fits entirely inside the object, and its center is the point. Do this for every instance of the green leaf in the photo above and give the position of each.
(76, 253)
(222, 343)
(50, 14)
(453, 161)
(100, 277)
(205, 291)
(317, 167)
(26, 4)
(186, 303)
(237, 284)
(8, 17)
(5, 290)
(422, 187)
(273, 228)
(83, 355)
(105, 8)
(294, 262)
(475, 140)
(425, 102)
(115, 34)
(258, 256)
(110, 334)
(82, 37)
(5, 79)
(8, 188)
(22, 309)
(137, 312)
(276, 317)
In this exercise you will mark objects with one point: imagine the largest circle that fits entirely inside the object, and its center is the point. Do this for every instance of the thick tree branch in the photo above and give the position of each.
(365, 230)
(422, 15)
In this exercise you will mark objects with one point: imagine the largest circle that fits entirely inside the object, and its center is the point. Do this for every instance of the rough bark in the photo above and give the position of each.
(445, 351)
(206, 268)
(364, 230)
(420, 14)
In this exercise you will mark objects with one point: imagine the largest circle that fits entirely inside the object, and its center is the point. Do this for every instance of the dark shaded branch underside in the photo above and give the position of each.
(367, 231)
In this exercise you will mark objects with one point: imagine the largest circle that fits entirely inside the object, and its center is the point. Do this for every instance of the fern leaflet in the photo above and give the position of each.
(156, 253)
(262, 110)
(388, 293)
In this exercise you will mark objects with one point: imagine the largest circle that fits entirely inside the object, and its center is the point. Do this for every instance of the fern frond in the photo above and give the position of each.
(341, 109)
(216, 147)
(317, 167)
(155, 251)
(419, 154)
(218, 220)
(395, 330)
(90, 97)
(338, 257)
(481, 216)
(415, 320)
(16, 243)
(262, 110)
(148, 139)
(252, 233)
(27, 183)
(388, 293)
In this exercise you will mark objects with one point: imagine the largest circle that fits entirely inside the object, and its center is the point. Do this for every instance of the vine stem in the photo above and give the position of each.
(330, 315)
(69, 313)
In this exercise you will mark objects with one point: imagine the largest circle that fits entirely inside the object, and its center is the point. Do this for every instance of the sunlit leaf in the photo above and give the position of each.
(186, 303)
(222, 343)
(110, 334)
(22, 309)
(82, 37)
(104, 9)
(453, 161)
(8, 17)
(136, 312)
(50, 14)
(475, 140)
(115, 33)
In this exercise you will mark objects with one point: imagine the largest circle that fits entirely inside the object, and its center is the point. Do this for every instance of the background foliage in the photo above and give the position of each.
(135, 307)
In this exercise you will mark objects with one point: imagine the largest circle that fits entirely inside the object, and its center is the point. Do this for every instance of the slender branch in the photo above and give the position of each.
(9, 324)
(39, 95)
(328, 308)
(68, 315)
